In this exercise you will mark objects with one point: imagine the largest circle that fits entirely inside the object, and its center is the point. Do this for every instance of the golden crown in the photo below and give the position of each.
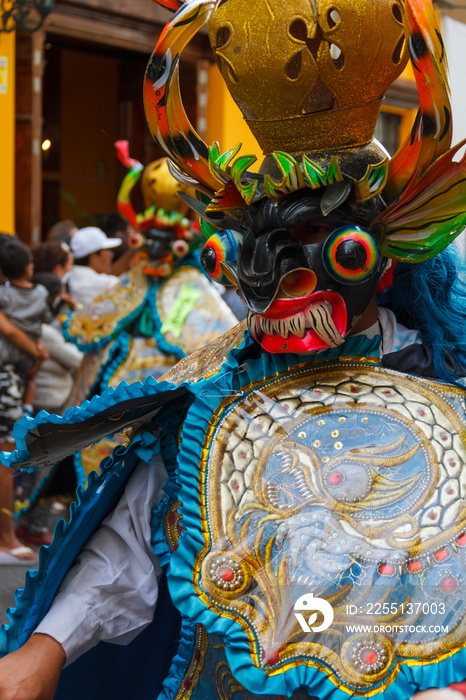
(281, 59)
(309, 75)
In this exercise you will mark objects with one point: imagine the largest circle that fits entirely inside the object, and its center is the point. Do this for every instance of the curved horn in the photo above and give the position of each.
(170, 4)
(124, 205)
(432, 130)
(165, 113)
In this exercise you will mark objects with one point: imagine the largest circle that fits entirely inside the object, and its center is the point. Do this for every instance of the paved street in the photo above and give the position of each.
(11, 578)
(46, 514)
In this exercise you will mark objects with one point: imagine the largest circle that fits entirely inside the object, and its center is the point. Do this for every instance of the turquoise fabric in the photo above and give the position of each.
(209, 395)
(240, 369)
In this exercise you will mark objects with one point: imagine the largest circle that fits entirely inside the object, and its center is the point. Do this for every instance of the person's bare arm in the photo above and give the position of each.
(19, 338)
(125, 262)
(32, 672)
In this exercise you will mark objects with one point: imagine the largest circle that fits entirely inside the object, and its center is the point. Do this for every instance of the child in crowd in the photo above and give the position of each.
(25, 305)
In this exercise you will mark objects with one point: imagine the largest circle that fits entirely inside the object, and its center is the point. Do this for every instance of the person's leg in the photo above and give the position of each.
(11, 400)
(29, 396)
(8, 540)
(7, 537)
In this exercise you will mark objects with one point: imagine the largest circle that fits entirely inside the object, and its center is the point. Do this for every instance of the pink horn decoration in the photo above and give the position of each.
(135, 168)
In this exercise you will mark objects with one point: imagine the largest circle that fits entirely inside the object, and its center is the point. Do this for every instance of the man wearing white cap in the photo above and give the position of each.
(93, 257)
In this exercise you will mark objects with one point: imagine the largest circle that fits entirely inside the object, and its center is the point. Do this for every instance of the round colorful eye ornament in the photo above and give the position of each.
(350, 255)
(220, 247)
(136, 240)
(180, 248)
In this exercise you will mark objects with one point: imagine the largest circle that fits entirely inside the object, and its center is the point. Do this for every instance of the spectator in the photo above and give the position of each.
(23, 302)
(11, 549)
(54, 380)
(52, 256)
(60, 300)
(93, 256)
(62, 231)
(116, 226)
(25, 305)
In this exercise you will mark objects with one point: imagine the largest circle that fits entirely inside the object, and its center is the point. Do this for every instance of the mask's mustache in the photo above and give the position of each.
(316, 317)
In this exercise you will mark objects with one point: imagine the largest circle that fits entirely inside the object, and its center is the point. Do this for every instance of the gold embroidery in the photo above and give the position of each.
(242, 571)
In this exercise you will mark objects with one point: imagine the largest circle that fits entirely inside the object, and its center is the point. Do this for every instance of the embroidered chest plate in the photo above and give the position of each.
(337, 490)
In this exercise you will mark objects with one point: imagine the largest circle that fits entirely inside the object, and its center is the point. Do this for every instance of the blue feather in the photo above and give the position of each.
(431, 297)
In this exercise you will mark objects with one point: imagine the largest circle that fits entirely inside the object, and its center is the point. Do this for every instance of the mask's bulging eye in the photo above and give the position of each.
(136, 241)
(180, 248)
(221, 247)
(350, 255)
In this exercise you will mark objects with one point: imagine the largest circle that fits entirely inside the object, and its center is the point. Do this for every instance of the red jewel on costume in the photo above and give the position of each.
(449, 584)
(335, 479)
(225, 574)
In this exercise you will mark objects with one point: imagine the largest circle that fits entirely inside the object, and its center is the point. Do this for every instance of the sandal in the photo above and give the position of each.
(12, 557)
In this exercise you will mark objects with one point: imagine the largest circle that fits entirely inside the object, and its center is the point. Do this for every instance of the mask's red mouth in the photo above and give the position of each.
(159, 268)
(299, 325)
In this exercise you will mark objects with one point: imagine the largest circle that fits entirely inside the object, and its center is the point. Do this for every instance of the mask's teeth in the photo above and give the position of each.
(266, 325)
(282, 328)
(298, 325)
(272, 326)
(279, 327)
(316, 317)
(319, 317)
(254, 325)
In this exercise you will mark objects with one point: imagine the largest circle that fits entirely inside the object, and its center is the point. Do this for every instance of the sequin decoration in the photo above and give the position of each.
(332, 480)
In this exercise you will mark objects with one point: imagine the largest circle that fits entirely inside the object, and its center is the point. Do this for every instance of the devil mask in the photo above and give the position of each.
(161, 232)
(305, 278)
(306, 239)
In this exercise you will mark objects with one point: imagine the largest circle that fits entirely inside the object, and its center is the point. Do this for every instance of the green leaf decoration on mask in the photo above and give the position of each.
(373, 181)
(148, 213)
(219, 162)
(214, 151)
(334, 172)
(314, 175)
(225, 159)
(169, 218)
(238, 169)
(292, 176)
